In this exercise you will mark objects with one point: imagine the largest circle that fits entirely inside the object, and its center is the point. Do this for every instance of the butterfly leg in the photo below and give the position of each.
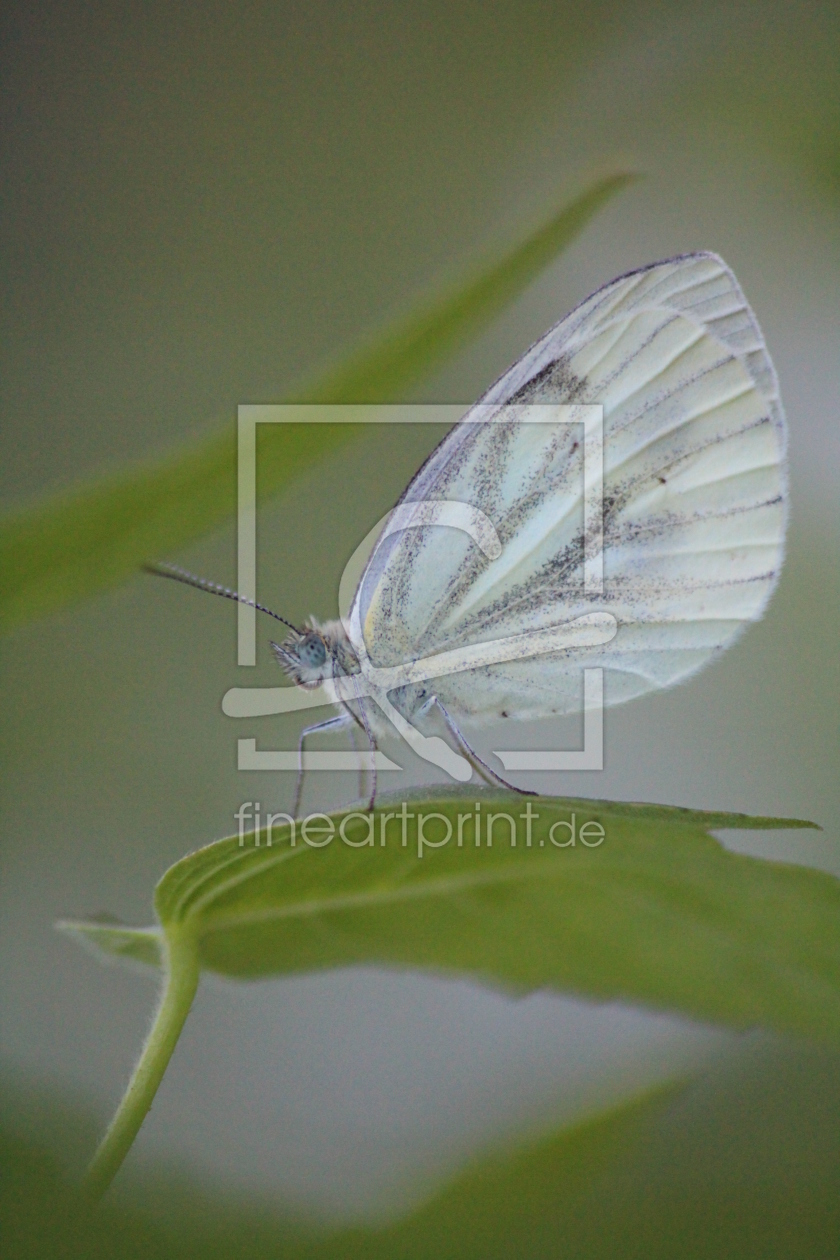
(371, 741)
(472, 756)
(372, 746)
(354, 731)
(331, 724)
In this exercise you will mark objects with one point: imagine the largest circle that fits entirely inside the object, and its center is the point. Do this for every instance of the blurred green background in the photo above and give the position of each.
(201, 207)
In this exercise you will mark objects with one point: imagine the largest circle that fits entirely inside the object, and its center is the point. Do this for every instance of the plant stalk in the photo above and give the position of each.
(179, 986)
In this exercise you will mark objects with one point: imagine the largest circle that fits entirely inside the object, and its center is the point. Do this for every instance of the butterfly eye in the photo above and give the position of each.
(311, 651)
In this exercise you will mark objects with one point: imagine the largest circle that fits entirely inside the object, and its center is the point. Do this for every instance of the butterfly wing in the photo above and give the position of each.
(694, 501)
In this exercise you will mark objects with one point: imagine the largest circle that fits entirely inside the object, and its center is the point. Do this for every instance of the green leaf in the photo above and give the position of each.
(611, 901)
(79, 543)
(658, 913)
(742, 1162)
(489, 1205)
(386, 368)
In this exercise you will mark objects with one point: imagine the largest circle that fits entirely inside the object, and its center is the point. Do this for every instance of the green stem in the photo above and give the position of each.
(176, 999)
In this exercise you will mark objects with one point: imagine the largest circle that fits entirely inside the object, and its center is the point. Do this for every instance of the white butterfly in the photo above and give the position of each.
(694, 516)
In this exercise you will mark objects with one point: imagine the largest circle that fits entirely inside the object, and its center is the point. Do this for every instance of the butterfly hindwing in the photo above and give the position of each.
(693, 502)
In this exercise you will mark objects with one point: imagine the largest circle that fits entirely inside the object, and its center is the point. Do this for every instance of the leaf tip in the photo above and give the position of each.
(111, 940)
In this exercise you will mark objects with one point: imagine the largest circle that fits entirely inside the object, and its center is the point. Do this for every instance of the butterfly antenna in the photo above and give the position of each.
(202, 584)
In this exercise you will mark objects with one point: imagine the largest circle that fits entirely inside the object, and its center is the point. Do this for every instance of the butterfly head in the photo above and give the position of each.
(313, 653)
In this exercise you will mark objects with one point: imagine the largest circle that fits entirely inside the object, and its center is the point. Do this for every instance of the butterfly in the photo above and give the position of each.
(690, 524)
